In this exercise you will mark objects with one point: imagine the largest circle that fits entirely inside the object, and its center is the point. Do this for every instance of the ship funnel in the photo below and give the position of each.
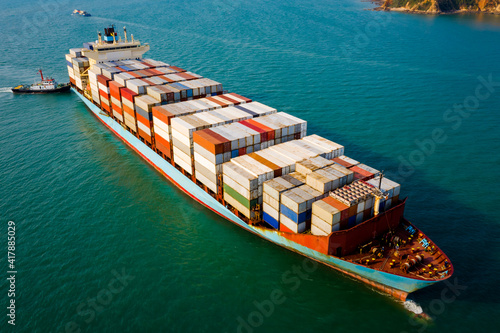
(125, 33)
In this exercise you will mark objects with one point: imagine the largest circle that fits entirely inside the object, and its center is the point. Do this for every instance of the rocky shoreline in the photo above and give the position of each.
(433, 7)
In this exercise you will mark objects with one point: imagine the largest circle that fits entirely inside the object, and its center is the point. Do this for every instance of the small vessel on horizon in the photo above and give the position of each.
(46, 86)
(81, 13)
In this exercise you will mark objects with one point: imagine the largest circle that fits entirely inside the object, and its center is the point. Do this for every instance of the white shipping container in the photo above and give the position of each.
(242, 209)
(144, 128)
(118, 116)
(256, 168)
(317, 231)
(297, 228)
(271, 211)
(326, 212)
(209, 156)
(205, 181)
(247, 194)
(241, 175)
(160, 132)
(317, 140)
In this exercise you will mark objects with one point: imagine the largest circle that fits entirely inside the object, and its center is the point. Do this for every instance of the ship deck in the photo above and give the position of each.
(399, 251)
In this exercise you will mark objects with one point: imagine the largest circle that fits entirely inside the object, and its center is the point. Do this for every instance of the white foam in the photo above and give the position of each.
(413, 307)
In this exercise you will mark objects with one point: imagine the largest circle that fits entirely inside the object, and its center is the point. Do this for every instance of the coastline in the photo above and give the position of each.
(382, 6)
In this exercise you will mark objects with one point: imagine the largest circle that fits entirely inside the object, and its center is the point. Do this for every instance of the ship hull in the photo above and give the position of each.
(52, 91)
(395, 285)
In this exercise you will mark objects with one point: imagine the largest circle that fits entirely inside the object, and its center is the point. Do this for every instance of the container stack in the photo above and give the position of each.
(336, 149)
(271, 197)
(389, 188)
(80, 66)
(69, 65)
(358, 196)
(219, 144)
(345, 161)
(295, 208)
(104, 96)
(310, 165)
(115, 99)
(144, 114)
(364, 172)
(327, 215)
(241, 187)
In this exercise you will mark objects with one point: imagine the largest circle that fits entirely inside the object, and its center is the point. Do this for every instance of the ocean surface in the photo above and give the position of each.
(105, 244)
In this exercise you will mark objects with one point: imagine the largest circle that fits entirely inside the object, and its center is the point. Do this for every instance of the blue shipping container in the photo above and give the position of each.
(272, 222)
(297, 218)
(247, 110)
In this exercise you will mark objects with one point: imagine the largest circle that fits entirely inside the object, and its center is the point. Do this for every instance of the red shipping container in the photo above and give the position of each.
(114, 89)
(227, 98)
(263, 134)
(147, 64)
(177, 69)
(344, 209)
(269, 131)
(243, 151)
(72, 81)
(128, 94)
(155, 71)
(247, 100)
(342, 162)
(216, 101)
(227, 142)
(106, 107)
(186, 76)
(103, 80)
(360, 173)
(344, 224)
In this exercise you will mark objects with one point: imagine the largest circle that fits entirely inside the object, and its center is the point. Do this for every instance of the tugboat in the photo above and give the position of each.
(47, 85)
(81, 13)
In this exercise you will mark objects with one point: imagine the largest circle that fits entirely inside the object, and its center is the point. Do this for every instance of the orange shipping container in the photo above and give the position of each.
(210, 143)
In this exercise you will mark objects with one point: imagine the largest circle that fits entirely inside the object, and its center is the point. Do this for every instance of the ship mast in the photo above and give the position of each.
(378, 194)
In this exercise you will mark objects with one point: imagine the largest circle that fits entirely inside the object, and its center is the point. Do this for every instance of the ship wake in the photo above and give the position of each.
(413, 306)
(6, 90)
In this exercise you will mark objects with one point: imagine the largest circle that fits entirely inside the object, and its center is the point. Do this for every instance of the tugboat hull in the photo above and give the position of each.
(24, 90)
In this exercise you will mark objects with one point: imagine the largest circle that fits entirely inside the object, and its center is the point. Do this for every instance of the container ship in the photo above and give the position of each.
(255, 166)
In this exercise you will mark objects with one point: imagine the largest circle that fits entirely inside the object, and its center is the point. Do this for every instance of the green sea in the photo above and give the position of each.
(103, 243)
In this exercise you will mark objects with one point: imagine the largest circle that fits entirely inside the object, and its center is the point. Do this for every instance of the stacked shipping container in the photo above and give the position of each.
(261, 161)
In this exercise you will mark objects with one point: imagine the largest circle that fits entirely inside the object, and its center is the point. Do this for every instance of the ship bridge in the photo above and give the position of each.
(110, 47)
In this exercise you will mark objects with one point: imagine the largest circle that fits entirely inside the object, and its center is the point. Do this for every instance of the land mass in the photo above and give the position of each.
(441, 6)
